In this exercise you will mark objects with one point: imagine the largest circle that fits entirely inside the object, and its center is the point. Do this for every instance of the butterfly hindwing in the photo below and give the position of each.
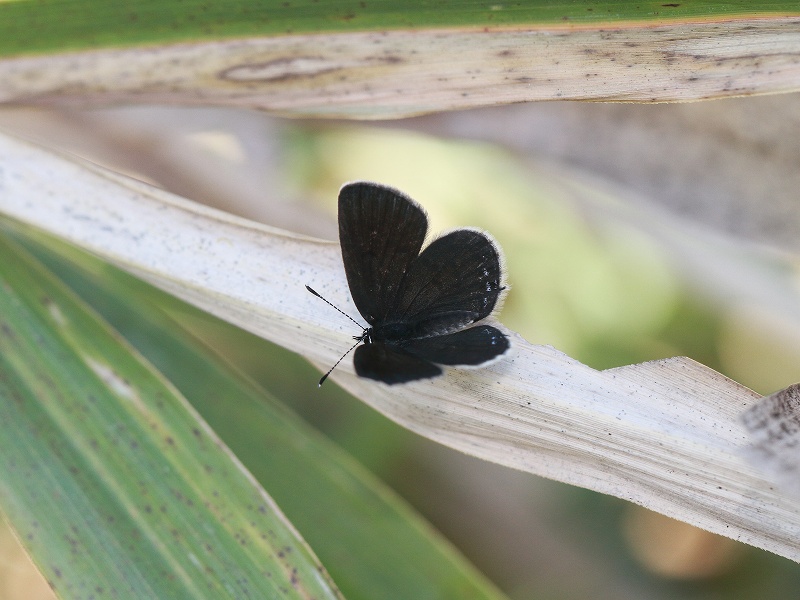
(468, 347)
(390, 364)
(381, 232)
(454, 282)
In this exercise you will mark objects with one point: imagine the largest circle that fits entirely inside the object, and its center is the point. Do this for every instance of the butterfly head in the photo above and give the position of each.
(366, 336)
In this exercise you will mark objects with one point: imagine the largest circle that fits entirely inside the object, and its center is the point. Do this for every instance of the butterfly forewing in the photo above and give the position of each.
(454, 282)
(381, 232)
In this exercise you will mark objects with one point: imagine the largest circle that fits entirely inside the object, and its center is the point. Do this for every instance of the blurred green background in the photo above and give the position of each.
(590, 275)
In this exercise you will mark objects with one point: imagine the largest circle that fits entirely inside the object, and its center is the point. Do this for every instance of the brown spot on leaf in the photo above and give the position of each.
(280, 69)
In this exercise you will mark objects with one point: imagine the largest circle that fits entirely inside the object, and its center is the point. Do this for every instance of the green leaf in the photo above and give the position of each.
(373, 545)
(110, 479)
(28, 26)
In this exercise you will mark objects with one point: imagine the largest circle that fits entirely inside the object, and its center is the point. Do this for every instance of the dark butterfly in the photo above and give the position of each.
(419, 306)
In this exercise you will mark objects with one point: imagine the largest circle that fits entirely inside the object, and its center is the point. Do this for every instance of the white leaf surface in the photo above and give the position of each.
(774, 427)
(383, 74)
(665, 434)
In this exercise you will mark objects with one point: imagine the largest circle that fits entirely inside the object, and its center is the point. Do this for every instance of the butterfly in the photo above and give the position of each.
(420, 304)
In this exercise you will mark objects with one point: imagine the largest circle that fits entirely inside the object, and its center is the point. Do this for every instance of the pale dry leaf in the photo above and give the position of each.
(774, 427)
(385, 74)
(665, 435)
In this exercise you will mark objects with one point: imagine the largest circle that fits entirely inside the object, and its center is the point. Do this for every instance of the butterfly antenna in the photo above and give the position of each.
(359, 339)
(324, 377)
(334, 306)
